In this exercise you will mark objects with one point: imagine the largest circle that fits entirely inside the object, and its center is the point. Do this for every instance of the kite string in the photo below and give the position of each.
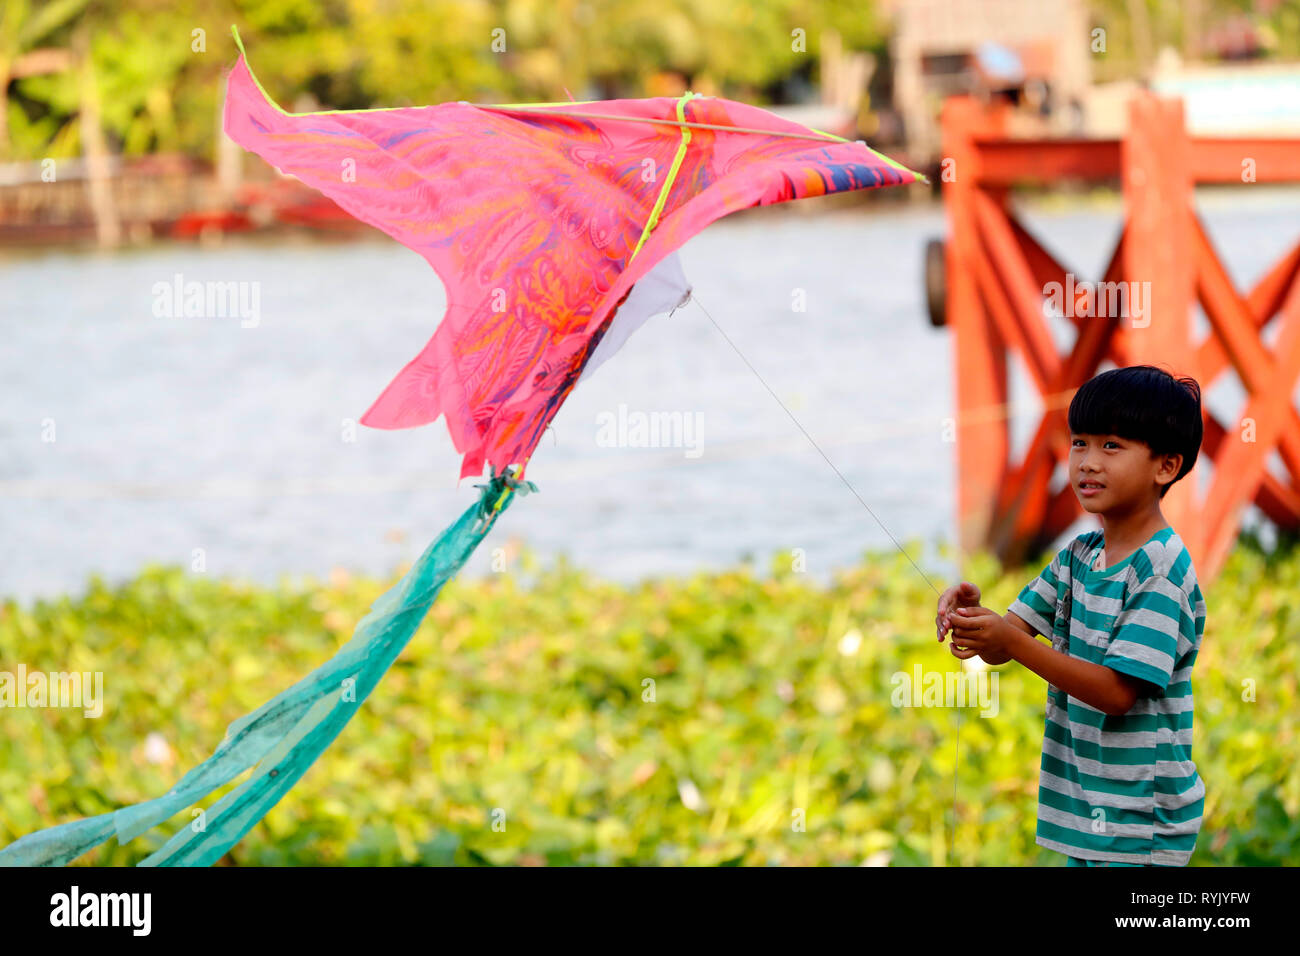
(662, 199)
(614, 117)
(838, 473)
(952, 833)
(817, 135)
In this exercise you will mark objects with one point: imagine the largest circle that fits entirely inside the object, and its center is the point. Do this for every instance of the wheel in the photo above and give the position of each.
(936, 283)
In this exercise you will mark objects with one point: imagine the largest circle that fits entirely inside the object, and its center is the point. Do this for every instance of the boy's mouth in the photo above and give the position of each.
(1089, 487)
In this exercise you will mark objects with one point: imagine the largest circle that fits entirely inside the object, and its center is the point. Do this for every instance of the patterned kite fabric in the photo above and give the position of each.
(285, 736)
(539, 220)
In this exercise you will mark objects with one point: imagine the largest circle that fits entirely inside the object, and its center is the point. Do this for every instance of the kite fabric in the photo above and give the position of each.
(538, 219)
(285, 735)
(553, 228)
(663, 289)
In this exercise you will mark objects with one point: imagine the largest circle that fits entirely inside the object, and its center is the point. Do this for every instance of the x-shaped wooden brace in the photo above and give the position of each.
(1012, 272)
(1013, 297)
(1240, 465)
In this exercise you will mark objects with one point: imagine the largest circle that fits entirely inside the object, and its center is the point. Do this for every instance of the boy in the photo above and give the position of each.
(1122, 608)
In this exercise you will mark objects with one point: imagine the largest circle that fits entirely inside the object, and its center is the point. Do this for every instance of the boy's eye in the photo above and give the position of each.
(1110, 443)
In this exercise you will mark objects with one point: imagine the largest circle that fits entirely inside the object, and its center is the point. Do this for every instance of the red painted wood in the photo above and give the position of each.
(997, 274)
(980, 353)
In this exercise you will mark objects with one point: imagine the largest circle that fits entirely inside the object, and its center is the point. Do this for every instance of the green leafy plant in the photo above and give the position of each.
(688, 721)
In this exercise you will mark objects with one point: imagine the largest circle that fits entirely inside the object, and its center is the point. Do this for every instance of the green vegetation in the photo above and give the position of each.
(525, 692)
(157, 64)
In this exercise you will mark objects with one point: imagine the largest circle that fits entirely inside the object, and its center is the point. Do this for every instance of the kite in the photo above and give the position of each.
(553, 228)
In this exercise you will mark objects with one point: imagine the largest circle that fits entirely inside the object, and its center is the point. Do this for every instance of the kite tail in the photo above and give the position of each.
(288, 733)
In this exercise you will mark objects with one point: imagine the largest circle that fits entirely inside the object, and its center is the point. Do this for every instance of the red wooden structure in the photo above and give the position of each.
(997, 276)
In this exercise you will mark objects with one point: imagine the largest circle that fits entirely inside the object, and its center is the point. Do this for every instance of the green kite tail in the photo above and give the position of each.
(288, 733)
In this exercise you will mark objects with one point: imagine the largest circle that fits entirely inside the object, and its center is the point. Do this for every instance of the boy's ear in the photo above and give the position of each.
(1169, 467)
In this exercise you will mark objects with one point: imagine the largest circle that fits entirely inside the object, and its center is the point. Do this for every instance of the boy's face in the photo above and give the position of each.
(1114, 474)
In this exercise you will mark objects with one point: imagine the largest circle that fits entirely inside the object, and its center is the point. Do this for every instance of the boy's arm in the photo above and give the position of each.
(998, 639)
(1095, 684)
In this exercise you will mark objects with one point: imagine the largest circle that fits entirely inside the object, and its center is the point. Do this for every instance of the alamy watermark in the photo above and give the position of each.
(75, 908)
(55, 689)
(1125, 300)
(179, 299)
(636, 429)
(946, 689)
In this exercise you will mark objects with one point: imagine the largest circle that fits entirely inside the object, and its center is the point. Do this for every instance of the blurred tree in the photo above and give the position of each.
(158, 63)
(24, 27)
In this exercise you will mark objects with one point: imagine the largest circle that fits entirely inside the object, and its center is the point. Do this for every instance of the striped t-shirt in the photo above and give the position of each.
(1122, 789)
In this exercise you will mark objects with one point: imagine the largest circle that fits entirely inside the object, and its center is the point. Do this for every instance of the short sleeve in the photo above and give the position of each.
(1036, 603)
(1144, 638)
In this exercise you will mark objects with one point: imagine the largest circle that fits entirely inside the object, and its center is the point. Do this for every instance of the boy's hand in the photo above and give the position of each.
(983, 632)
(966, 653)
(959, 595)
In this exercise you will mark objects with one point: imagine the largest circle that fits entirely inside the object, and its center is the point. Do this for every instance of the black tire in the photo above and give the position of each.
(936, 283)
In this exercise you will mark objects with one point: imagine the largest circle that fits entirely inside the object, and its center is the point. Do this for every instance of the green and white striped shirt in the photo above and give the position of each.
(1122, 789)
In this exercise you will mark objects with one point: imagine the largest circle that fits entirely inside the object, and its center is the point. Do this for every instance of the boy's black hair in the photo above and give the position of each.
(1142, 403)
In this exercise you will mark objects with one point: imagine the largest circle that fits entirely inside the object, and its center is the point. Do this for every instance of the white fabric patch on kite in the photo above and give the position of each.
(663, 289)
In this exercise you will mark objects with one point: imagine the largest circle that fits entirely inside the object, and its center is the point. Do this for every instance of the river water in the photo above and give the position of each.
(127, 437)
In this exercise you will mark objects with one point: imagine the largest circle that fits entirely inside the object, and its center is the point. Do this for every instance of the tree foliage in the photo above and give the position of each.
(159, 63)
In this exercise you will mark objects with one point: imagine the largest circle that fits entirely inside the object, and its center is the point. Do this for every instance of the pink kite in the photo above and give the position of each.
(539, 220)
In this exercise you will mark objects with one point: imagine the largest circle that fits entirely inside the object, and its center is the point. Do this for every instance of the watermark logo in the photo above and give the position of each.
(55, 689)
(636, 429)
(1125, 300)
(102, 909)
(946, 689)
(179, 299)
